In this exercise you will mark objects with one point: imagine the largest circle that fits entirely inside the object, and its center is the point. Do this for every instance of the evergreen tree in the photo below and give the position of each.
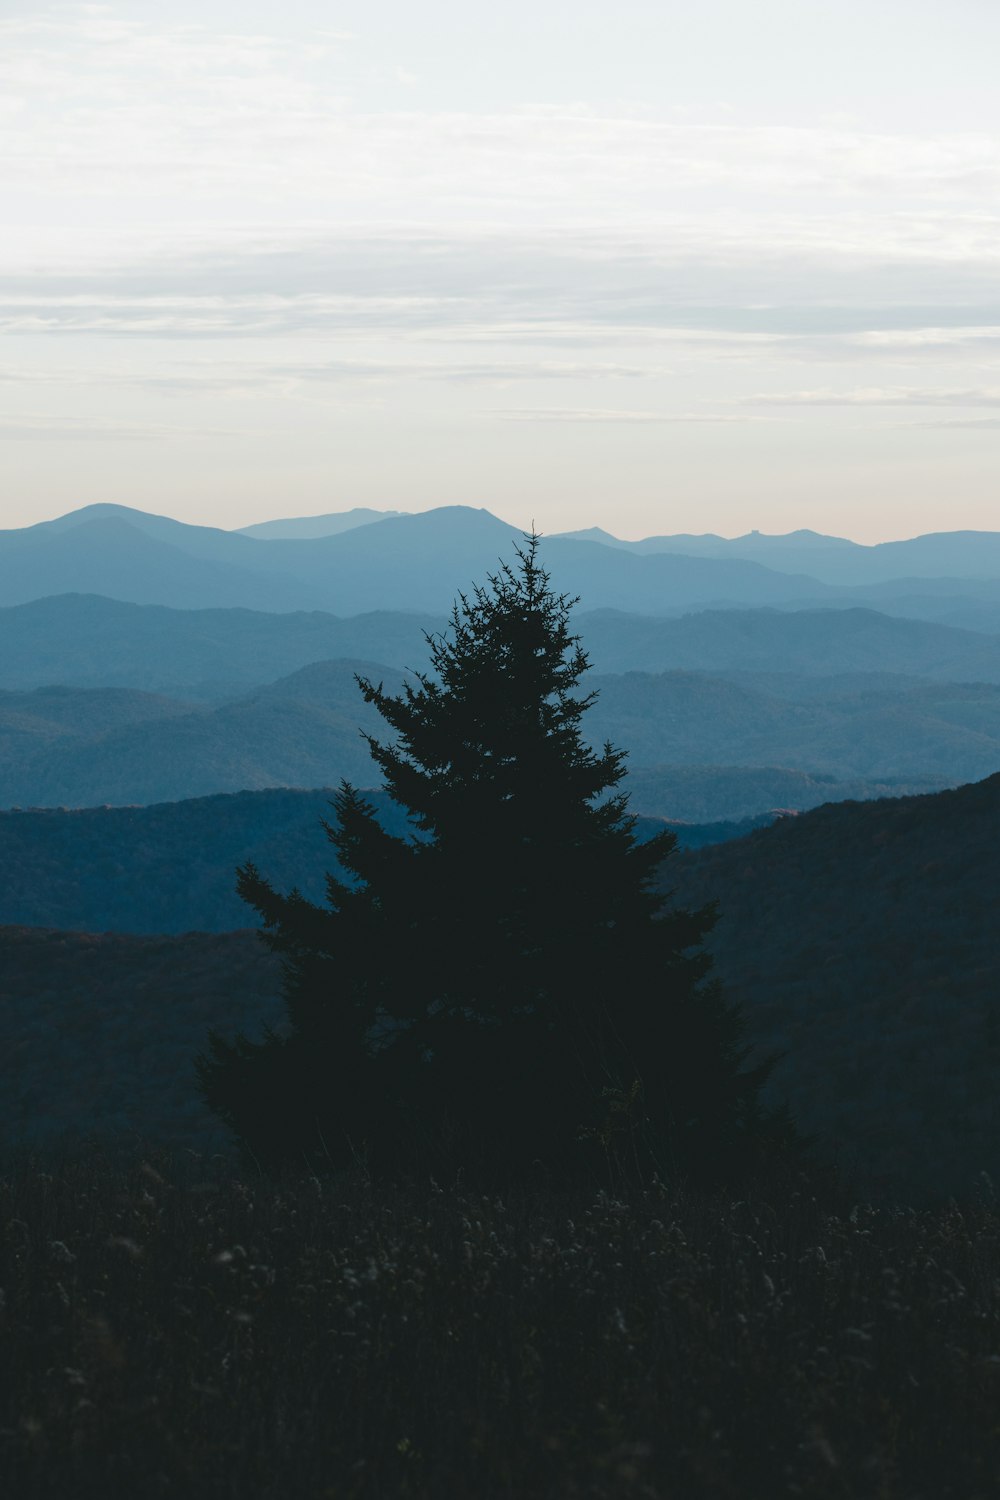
(507, 985)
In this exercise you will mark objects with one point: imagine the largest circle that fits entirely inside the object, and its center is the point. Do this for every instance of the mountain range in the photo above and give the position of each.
(88, 641)
(419, 562)
(85, 747)
(833, 559)
(411, 562)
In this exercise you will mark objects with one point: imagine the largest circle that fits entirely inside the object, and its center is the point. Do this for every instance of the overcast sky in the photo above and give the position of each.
(652, 266)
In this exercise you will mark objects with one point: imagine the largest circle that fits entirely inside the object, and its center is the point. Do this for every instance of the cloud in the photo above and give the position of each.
(964, 423)
(590, 415)
(598, 287)
(227, 315)
(899, 396)
(239, 379)
(103, 106)
(94, 429)
(960, 332)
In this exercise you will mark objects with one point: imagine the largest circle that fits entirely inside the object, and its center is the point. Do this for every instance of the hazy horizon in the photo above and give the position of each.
(658, 271)
(607, 526)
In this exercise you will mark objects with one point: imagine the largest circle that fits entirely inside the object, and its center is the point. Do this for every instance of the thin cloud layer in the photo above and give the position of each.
(912, 396)
(597, 415)
(279, 230)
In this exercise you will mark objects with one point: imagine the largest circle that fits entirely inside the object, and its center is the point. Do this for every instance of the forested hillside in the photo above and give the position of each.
(946, 732)
(84, 640)
(87, 641)
(98, 1032)
(862, 940)
(703, 793)
(818, 642)
(80, 748)
(301, 731)
(171, 867)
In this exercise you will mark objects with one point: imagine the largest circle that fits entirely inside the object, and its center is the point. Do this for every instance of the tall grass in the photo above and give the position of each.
(199, 1333)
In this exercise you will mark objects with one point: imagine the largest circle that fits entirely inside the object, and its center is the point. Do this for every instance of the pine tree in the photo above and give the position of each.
(507, 985)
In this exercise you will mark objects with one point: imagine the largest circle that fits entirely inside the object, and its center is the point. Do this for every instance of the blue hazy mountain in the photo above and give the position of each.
(85, 640)
(186, 566)
(418, 562)
(815, 642)
(307, 730)
(411, 562)
(299, 527)
(302, 731)
(89, 641)
(831, 559)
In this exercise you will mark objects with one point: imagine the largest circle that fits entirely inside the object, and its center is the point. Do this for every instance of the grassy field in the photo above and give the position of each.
(181, 1329)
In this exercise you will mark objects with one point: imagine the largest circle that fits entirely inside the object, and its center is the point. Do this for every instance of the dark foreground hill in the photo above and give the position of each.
(864, 940)
(219, 1336)
(170, 868)
(97, 1032)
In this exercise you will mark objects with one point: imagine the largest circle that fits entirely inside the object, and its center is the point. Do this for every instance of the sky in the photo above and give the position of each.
(657, 267)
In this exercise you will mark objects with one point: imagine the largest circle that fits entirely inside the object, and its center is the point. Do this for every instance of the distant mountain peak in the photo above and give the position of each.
(100, 510)
(308, 528)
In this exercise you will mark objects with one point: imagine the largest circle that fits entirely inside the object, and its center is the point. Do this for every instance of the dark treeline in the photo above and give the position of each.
(170, 867)
(864, 941)
(98, 1032)
(860, 940)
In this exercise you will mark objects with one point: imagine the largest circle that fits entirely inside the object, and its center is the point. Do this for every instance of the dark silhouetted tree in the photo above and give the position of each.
(506, 986)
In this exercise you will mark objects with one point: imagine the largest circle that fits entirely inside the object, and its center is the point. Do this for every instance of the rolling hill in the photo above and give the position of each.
(171, 868)
(419, 562)
(306, 730)
(90, 641)
(817, 643)
(702, 793)
(861, 940)
(84, 640)
(98, 1032)
(409, 562)
(834, 559)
